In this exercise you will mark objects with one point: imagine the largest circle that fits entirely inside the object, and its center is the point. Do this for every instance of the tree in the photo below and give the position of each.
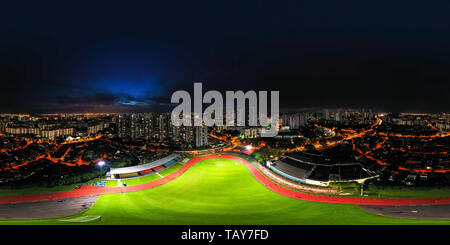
(259, 157)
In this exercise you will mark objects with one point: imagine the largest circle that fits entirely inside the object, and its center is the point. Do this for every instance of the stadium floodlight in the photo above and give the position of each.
(101, 163)
(248, 148)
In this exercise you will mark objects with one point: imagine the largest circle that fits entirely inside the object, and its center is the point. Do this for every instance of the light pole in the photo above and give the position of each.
(362, 188)
(101, 163)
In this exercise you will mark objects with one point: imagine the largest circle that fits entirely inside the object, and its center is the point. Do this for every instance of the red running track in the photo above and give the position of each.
(94, 190)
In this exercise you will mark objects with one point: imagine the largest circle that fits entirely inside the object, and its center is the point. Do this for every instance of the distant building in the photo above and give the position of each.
(201, 136)
(50, 134)
(252, 132)
(293, 120)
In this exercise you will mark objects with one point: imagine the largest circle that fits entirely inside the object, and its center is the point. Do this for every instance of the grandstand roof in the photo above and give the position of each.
(301, 167)
(145, 166)
(292, 168)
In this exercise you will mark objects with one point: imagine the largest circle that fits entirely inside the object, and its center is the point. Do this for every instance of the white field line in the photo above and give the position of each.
(82, 219)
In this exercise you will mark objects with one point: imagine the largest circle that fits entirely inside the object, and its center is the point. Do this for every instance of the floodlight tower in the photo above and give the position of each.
(101, 163)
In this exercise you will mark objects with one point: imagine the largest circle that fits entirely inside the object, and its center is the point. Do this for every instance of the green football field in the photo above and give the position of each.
(218, 191)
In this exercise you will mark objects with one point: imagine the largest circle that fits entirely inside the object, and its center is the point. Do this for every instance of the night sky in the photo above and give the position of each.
(123, 57)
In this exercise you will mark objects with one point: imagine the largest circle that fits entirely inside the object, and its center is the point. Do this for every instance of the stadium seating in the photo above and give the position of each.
(146, 168)
(320, 173)
(290, 177)
(298, 164)
(170, 163)
(158, 168)
(308, 157)
(127, 175)
(144, 172)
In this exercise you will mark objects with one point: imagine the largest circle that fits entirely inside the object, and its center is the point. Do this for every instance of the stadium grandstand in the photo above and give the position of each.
(145, 169)
(307, 168)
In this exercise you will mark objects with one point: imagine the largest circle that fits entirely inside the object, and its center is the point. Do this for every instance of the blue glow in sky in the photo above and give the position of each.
(138, 88)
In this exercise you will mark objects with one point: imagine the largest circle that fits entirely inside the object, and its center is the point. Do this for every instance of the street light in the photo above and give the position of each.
(248, 148)
(101, 163)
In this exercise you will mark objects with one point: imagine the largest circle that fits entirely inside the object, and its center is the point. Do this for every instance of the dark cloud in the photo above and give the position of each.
(105, 56)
